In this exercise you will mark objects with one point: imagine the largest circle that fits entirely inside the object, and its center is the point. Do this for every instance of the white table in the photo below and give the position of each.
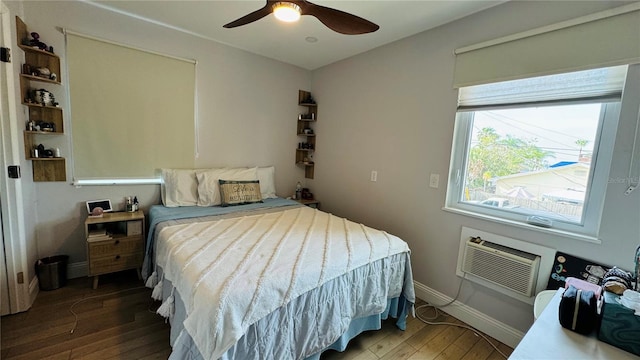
(547, 339)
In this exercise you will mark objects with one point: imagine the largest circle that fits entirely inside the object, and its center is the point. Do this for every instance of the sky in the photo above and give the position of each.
(556, 128)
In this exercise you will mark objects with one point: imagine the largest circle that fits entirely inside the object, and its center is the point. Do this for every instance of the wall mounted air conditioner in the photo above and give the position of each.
(512, 267)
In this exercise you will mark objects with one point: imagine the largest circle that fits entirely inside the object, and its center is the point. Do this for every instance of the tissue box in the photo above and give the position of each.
(619, 327)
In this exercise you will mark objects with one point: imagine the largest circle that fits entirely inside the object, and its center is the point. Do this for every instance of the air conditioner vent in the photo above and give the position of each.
(510, 268)
(510, 250)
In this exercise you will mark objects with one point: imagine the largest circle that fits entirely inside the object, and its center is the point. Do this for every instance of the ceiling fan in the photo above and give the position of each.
(336, 20)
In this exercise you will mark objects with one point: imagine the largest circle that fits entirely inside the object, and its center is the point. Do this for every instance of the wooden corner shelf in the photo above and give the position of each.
(34, 56)
(25, 34)
(49, 169)
(44, 169)
(39, 78)
(304, 154)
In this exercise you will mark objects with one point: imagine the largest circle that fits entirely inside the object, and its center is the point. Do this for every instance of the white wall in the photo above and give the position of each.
(247, 106)
(392, 110)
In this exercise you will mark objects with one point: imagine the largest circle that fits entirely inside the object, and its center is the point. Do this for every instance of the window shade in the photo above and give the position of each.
(604, 39)
(605, 83)
(132, 111)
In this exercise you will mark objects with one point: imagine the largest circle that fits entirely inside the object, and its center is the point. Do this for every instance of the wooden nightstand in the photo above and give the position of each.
(310, 203)
(115, 242)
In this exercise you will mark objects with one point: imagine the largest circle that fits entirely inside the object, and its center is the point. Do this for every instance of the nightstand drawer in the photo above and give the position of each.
(112, 263)
(123, 245)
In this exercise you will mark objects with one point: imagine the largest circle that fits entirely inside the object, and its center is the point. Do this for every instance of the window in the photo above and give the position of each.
(537, 150)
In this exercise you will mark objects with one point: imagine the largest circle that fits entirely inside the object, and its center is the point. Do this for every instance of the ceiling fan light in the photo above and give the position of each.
(286, 11)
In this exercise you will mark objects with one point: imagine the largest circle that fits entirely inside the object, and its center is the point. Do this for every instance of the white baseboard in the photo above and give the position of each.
(77, 269)
(488, 325)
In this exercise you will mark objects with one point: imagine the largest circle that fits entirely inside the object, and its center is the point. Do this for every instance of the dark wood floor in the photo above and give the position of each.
(118, 326)
(420, 342)
(122, 324)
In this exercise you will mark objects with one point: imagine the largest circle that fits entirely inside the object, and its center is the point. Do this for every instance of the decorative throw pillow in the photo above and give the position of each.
(209, 188)
(238, 192)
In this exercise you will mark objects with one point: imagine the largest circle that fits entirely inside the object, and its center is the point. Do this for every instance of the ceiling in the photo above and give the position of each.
(288, 42)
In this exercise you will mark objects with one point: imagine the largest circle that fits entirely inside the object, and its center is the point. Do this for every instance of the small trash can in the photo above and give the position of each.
(52, 272)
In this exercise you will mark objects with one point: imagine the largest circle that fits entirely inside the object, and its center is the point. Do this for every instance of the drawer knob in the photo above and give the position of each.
(117, 257)
(117, 242)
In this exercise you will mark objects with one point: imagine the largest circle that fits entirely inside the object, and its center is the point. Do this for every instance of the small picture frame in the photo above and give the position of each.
(104, 204)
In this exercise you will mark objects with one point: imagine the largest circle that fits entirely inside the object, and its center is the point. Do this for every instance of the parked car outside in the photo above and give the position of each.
(497, 202)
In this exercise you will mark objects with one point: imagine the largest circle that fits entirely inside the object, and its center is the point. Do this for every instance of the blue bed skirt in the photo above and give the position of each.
(397, 308)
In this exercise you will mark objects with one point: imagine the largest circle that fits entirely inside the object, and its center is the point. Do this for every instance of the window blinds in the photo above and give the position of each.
(602, 84)
(603, 39)
(132, 111)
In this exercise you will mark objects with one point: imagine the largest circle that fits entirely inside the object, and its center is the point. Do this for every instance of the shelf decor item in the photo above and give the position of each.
(44, 97)
(35, 42)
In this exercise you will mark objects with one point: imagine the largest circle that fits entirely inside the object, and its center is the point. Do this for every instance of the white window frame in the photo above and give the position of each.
(599, 175)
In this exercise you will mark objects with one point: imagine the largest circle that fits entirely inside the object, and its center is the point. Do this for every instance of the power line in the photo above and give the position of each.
(508, 123)
(532, 125)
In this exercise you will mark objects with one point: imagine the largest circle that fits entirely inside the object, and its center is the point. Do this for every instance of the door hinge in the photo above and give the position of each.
(20, 277)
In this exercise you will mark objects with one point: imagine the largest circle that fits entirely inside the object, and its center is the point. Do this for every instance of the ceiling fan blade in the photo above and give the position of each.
(336, 20)
(249, 18)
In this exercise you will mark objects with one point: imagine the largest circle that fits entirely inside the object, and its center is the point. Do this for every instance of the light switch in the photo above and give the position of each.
(434, 179)
(13, 171)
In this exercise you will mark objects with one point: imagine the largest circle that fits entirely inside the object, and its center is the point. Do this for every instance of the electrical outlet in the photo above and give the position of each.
(434, 179)
(374, 175)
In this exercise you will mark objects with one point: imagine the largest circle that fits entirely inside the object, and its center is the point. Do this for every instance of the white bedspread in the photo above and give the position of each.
(232, 272)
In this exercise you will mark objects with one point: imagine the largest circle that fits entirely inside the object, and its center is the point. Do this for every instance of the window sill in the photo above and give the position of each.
(550, 231)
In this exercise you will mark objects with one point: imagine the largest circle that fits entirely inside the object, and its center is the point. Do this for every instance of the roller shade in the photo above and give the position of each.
(602, 84)
(132, 110)
(603, 39)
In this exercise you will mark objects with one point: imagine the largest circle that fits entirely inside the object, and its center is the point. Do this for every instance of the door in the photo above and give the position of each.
(14, 282)
(4, 281)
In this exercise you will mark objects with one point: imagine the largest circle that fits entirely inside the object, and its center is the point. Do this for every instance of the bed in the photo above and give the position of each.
(272, 279)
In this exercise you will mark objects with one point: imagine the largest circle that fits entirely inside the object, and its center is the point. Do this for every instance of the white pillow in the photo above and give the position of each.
(209, 188)
(179, 187)
(266, 176)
